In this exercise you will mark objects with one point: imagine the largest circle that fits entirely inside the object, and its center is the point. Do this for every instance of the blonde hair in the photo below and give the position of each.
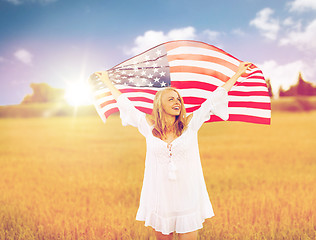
(158, 115)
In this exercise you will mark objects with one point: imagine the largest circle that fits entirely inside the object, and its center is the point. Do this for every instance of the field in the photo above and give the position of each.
(77, 178)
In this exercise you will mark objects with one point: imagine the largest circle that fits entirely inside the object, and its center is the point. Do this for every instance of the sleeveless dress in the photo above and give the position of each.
(174, 197)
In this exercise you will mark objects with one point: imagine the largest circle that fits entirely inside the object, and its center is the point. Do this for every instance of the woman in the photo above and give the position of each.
(174, 197)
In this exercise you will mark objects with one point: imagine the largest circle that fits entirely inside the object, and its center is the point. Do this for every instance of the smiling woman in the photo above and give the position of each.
(76, 94)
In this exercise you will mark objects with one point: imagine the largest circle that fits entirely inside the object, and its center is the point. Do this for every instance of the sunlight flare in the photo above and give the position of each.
(77, 94)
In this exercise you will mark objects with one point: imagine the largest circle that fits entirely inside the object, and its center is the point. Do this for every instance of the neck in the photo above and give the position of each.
(170, 120)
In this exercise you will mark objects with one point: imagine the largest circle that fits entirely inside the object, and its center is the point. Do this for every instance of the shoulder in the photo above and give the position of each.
(150, 120)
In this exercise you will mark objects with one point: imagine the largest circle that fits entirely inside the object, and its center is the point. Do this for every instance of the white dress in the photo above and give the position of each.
(174, 197)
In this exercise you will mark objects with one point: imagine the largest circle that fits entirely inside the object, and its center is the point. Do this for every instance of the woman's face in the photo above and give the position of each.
(171, 102)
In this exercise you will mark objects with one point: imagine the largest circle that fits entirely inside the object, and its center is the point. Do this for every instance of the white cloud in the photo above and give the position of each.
(303, 40)
(211, 35)
(268, 26)
(288, 22)
(182, 33)
(152, 38)
(302, 5)
(24, 56)
(238, 32)
(285, 75)
(19, 2)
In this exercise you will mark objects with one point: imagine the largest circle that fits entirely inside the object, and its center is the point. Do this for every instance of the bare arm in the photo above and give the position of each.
(103, 75)
(243, 67)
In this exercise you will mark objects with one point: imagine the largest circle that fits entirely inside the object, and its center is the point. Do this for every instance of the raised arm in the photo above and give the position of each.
(128, 113)
(103, 75)
(243, 67)
(217, 102)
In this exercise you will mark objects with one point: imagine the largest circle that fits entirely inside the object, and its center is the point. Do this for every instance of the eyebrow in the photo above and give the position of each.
(174, 97)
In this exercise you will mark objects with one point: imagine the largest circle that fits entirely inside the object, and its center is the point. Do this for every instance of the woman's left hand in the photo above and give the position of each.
(243, 67)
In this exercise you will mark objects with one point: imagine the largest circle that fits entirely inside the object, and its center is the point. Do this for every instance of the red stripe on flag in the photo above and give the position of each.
(143, 109)
(205, 58)
(250, 119)
(107, 102)
(110, 111)
(198, 70)
(242, 118)
(141, 99)
(102, 95)
(193, 100)
(250, 93)
(192, 109)
(250, 75)
(256, 77)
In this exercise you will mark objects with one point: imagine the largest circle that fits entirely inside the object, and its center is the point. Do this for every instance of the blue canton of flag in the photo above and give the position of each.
(145, 70)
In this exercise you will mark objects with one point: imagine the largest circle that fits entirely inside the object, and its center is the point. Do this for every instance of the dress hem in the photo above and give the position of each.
(147, 224)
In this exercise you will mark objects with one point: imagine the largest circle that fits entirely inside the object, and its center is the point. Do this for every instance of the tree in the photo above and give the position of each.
(282, 92)
(43, 93)
(301, 88)
(269, 87)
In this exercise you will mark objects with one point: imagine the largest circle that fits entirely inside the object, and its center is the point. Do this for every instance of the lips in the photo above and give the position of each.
(176, 108)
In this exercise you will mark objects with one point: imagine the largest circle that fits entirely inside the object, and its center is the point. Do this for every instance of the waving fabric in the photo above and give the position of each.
(195, 69)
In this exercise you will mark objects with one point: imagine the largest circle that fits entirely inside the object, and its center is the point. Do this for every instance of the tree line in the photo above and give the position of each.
(301, 88)
(42, 92)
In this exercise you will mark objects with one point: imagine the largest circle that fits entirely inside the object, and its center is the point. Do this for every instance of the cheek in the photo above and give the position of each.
(166, 105)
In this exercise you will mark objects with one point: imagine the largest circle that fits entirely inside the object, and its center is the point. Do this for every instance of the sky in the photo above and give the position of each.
(61, 42)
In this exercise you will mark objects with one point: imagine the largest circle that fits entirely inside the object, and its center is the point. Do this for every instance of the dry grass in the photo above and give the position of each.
(68, 178)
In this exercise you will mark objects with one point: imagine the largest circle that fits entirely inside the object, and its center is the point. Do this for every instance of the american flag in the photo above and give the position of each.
(195, 69)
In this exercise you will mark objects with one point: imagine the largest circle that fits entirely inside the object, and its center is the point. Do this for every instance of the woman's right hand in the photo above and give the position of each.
(243, 67)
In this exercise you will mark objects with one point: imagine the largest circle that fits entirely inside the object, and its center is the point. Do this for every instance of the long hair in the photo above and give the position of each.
(158, 115)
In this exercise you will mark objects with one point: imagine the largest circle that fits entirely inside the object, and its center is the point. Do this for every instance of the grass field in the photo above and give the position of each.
(77, 178)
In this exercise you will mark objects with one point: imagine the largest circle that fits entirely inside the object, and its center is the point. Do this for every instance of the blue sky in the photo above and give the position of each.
(62, 42)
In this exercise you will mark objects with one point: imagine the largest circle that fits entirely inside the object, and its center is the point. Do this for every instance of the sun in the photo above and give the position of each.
(77, 94)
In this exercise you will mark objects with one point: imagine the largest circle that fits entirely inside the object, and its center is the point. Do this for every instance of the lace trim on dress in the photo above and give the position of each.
(179, 224)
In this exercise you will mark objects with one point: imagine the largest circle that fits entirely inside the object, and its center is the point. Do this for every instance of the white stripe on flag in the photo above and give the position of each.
(205, 94)
(258, 99)
(249, 89)
(194, 92)
(195, 77)
(202, 51)
(203, 64)
(250, 111)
